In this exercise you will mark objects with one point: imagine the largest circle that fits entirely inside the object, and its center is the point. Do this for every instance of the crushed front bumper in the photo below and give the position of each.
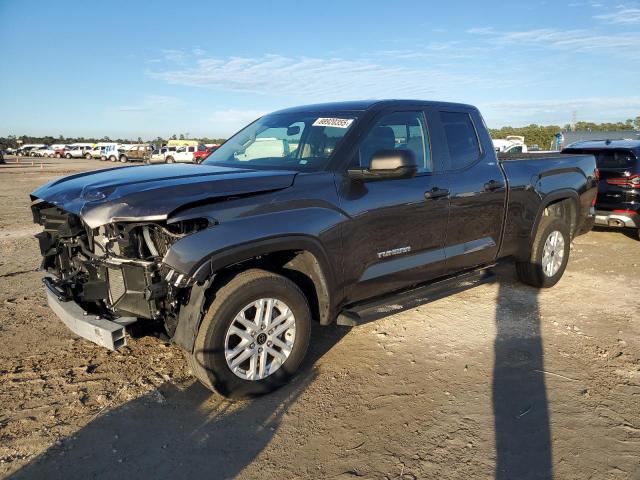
(618, 219)
(106, 333)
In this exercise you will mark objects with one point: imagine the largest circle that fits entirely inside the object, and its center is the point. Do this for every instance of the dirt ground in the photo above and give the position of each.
(501, 381)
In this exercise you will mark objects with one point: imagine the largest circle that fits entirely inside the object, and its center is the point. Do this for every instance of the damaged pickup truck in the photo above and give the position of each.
(321, 213)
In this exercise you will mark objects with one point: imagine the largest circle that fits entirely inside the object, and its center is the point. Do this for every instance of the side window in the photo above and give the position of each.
(398, 130)
(461, 139)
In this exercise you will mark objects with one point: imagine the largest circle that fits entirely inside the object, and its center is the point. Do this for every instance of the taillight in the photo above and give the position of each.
(630, 182)
(596, 174)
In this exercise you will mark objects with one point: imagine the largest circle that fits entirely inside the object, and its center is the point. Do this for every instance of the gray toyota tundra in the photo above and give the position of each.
(314, 213)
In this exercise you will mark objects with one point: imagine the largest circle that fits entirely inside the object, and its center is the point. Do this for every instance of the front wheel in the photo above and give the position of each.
(170, 160)
(124, 159)
(253, 337)
(68, 155)
(549, 254)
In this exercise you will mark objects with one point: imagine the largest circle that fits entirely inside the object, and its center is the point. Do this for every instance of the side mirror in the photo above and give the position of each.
(388, 164)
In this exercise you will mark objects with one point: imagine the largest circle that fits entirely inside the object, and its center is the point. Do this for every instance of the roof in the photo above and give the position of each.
(602, 144)
(362, 105)
(586, 135)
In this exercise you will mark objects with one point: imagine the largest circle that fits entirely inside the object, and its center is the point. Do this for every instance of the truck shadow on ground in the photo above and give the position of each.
(520, 401)
(174, 433)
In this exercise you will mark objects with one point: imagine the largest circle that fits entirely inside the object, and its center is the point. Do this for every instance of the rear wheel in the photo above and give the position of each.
(253, 337)
(170, 160)
(113, 158)
(58, 155)
(549, 254)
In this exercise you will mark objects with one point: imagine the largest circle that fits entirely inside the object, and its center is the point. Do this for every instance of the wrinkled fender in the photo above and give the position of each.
(199, 256)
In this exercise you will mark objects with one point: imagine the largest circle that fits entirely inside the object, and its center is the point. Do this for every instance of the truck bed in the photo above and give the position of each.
(506, 157)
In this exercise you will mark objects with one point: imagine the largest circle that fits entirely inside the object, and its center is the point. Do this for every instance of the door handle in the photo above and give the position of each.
(492, 185)
(436, 192)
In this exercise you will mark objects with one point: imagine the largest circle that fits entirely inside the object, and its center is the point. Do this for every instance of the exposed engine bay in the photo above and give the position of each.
(114, 270)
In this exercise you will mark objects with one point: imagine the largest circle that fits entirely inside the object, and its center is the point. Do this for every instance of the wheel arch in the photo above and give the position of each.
(563, 203)
(301, 259)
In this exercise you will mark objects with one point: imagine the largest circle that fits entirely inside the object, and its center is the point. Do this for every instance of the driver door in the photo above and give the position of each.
(395, 234)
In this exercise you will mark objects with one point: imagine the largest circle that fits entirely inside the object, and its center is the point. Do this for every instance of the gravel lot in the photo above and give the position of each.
(499, 381)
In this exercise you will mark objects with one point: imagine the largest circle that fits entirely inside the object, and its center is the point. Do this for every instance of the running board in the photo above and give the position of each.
(381, 307)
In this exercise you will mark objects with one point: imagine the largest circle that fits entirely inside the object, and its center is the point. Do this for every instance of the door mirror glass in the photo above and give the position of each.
(388, 164)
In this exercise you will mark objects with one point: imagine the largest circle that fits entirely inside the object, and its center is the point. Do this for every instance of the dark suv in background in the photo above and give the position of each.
(618, 201)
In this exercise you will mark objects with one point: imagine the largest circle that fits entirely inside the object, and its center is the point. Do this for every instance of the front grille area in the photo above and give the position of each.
(117, 287)
(101, 282)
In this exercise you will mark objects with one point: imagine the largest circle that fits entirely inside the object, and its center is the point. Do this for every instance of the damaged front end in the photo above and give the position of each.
(114, 273)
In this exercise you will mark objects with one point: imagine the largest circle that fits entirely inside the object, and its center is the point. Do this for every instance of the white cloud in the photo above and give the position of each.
(576, 40)
(622, 16)
(310, 78)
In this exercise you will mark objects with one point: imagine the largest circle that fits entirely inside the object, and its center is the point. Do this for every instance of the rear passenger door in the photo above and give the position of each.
(477, 189)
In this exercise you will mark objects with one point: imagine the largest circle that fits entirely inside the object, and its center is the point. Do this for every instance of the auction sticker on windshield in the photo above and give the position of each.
(333, 122)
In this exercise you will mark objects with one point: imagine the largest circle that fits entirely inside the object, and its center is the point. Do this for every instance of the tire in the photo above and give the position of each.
(208, 362)
(124, 159)
(58, 155)
(533, 272)
(170, 160)
(68, 155)
(112, 158)
(87, 156)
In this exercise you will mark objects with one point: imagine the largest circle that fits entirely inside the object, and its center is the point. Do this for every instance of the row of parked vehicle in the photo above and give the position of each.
(115, 152)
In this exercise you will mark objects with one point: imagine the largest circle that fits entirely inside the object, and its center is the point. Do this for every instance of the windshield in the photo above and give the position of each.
(292, 141)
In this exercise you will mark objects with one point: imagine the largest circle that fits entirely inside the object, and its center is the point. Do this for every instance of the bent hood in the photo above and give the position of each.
(152, 192)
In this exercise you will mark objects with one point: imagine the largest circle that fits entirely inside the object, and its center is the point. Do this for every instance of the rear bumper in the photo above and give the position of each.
(100, 331)
(629, 219)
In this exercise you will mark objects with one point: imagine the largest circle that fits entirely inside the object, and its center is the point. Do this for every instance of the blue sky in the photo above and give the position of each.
(129, 68)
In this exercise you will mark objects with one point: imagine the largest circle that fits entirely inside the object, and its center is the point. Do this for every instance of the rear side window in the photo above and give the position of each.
(461, 139)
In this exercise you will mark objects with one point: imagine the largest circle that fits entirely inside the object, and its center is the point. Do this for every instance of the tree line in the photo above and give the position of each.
(543, 135)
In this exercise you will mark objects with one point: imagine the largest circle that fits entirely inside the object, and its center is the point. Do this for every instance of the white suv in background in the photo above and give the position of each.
(181, 155)
(78, 151)
(45, 151)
